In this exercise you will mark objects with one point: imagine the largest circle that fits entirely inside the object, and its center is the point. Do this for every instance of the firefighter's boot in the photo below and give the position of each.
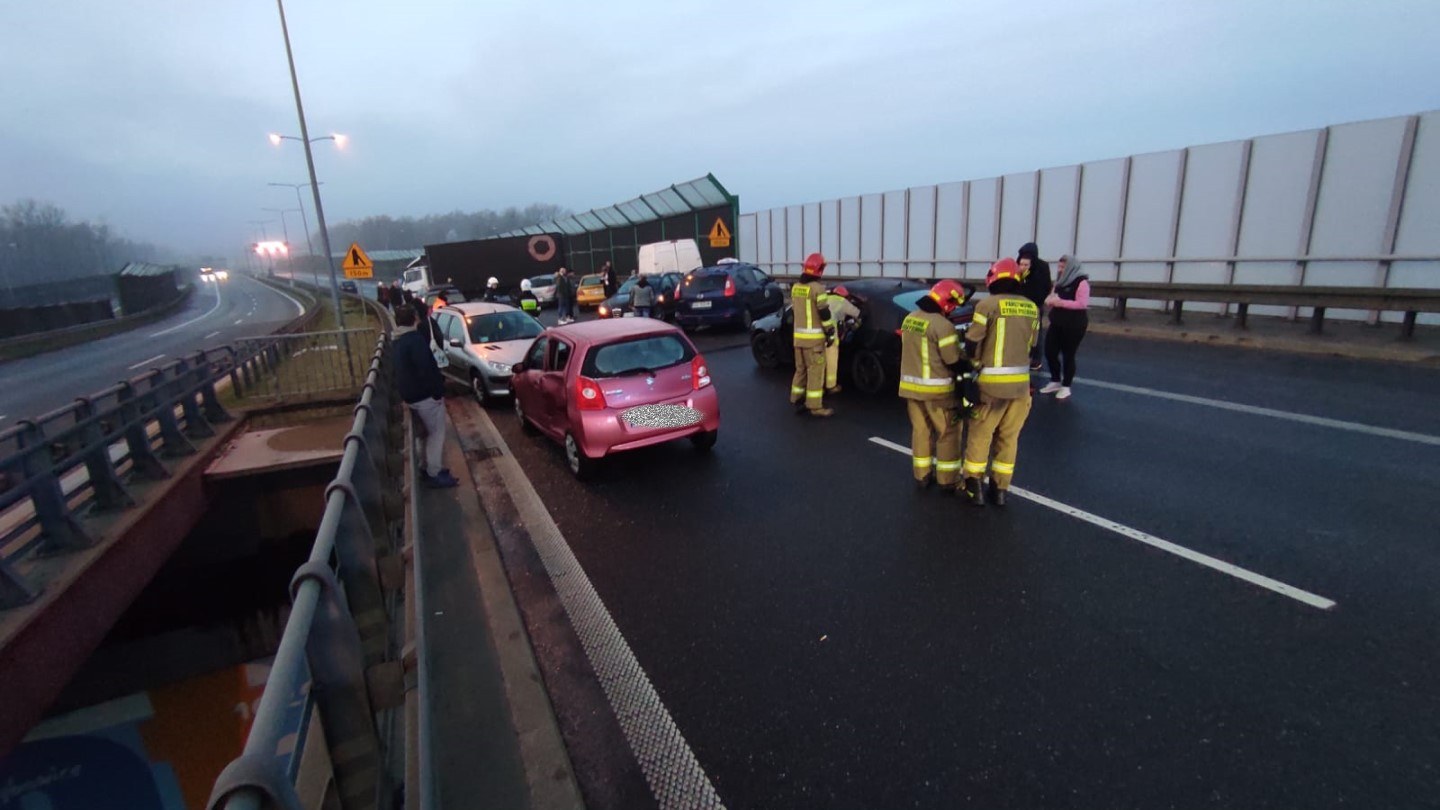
(973, 494)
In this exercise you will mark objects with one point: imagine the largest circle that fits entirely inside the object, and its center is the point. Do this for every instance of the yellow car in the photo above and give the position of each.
(591, 292)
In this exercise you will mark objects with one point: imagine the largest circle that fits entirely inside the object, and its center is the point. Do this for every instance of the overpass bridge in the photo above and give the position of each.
(1213, 587)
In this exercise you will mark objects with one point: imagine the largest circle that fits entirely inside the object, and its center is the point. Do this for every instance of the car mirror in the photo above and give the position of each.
(457, 343)
(518, 368)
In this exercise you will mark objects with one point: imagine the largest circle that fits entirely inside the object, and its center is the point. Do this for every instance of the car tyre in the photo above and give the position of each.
(706, 440)
(867, 372)
(747, 319)
(580, 464)
(477, 387)
(525, 426)
(766, 350)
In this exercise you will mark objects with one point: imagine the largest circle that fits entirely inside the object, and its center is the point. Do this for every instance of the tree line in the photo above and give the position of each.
(40, 244)
(404, 233)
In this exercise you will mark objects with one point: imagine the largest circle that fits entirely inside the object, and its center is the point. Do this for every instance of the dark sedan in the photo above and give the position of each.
(618, 305)
(870, 353)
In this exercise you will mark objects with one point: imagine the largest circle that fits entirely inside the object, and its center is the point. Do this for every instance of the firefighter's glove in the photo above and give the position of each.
(829, 336)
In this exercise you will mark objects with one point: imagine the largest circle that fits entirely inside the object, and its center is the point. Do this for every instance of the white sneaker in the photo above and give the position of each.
(1064, 392)
(1051, 388)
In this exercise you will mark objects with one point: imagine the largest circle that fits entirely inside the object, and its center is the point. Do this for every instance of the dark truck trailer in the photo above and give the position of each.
(468, 265)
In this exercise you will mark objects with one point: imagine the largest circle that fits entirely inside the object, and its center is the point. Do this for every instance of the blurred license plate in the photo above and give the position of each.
(701, 304)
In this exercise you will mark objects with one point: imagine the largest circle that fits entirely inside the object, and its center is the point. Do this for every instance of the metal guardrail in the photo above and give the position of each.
(75, 459)
(337, 626)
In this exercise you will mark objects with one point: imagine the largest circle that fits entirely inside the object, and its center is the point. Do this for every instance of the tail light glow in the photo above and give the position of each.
(729, 286)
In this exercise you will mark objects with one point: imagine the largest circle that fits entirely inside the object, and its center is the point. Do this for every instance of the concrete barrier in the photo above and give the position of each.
(42, 342)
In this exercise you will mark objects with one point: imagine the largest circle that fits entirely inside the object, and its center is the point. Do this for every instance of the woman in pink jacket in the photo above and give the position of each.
(1068, 322)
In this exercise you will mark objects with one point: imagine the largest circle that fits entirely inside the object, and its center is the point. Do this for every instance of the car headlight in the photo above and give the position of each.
(604, 311)
(497, 368)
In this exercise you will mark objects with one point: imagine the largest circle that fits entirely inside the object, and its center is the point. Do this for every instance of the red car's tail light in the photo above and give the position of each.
(588, 396)
(699, 372)
(729, 286)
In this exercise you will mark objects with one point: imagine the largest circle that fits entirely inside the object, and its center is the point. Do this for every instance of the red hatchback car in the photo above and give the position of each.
(603, 387)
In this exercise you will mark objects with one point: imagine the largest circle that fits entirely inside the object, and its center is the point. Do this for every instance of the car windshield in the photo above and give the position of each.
(655, 281)
(706, 282)
(909, 299)
(542, 281)
(633, 356)
(502, 326)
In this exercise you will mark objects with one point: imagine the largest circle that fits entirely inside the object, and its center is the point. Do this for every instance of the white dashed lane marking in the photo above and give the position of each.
(145, 362)
(1155, 542)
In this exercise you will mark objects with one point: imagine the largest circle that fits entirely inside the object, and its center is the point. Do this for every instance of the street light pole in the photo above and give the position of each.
(309, 249)
(314, 184)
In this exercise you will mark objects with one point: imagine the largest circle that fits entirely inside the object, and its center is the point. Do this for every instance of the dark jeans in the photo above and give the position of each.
(1062, 340)
(564, 308)
(642, 312)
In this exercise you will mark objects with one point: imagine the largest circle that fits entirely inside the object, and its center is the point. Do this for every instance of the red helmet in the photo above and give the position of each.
(1005, 268)
(948, 294)
(815, 265)
(840, 291)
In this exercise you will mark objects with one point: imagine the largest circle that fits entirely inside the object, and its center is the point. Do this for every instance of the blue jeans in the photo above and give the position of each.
(643, 312)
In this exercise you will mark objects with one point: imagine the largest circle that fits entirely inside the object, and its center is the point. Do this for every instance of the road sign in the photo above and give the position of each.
(358, 265)
(719, 234)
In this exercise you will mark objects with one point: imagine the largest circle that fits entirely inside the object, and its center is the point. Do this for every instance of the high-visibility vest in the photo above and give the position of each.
(805, 298)
(1004, 327)
(928, 347)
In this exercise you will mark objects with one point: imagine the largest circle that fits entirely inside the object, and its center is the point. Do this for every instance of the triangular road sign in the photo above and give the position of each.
(356, 263)
(719, 234)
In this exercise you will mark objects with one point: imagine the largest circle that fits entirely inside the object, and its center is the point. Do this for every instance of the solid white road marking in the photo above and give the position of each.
(670, 767)
(193, 320)
(237, 323)
(1321, 421)
(145, 362)
(1151, 540)
(212, 334)
(299, 308)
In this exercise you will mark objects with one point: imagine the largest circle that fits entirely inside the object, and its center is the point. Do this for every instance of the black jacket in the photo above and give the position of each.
(1038, 282)
(416, 374)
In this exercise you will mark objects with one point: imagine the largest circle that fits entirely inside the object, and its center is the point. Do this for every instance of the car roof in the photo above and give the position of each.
(880, 286)
(472, 308)
(591, 333)
(727, 268)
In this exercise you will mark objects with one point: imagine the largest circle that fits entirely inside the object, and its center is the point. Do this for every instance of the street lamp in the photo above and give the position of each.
(309, 250)
(340, 140)
(305, 141)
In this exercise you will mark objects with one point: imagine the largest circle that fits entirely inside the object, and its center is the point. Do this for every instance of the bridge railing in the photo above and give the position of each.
(336, 635)
(79, 457)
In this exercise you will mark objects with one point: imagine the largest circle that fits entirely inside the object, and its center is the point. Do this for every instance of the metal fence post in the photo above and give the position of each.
(59, 530)
(337, 666)
(110, 493)
(173, 443)
(143, 461)
(215, 413)
(195, 425)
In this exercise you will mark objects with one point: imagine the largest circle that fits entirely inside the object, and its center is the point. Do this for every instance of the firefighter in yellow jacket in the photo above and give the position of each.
(930, 358)
(843, 317)
(1001, 333)
(807, 389)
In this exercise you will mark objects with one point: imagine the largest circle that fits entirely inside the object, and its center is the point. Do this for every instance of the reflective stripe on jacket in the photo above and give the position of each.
(928, 347)
(1004, 328)
(805, 300)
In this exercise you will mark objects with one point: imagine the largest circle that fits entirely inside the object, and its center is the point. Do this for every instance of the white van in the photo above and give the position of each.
(417, 277)
(674, 256)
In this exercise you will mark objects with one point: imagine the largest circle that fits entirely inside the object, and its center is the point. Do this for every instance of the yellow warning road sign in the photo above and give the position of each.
(719, 235)
(358, 265)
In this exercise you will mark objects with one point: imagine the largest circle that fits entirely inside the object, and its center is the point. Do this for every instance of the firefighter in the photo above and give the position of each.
(930, 358)
(528, 301)
(807, 389)
(843, 316)
(1001, 335)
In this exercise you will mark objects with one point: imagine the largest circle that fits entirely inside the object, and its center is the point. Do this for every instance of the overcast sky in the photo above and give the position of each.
(152, 115)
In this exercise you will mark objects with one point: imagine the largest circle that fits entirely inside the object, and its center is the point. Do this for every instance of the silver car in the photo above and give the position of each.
(544, 289)
(482, 342)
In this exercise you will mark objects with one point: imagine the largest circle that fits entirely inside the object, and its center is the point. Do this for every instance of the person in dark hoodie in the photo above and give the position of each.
(423, 389)
(1037, 286)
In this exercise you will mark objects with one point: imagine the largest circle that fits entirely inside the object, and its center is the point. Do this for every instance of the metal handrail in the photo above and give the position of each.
(338, 583)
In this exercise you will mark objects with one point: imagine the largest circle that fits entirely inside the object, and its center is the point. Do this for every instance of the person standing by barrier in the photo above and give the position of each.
(807, 388)
(1001, 335)
(1068, 322)
(382, 295)
(423, 389)
(607, 272)
(1035, 273)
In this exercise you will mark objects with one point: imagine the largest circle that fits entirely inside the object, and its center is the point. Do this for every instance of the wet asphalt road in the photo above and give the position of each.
(244, 308)
(824, 636)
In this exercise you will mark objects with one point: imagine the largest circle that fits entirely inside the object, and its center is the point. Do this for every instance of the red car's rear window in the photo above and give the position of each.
(635, 355)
